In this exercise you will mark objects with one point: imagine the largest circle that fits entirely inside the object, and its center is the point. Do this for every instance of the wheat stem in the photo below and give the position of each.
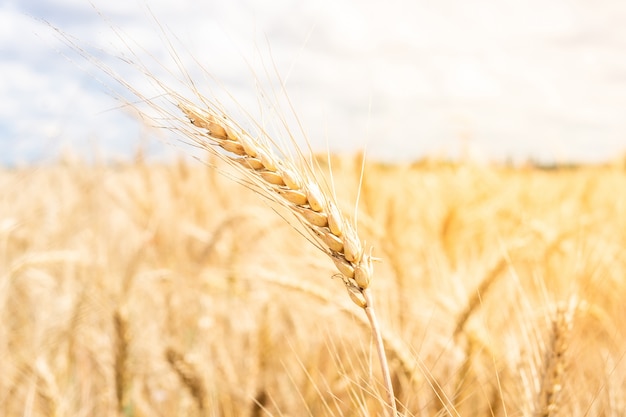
(280, 180)
(380, 347)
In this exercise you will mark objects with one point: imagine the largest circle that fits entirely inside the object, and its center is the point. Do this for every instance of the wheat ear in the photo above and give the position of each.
(297, 190)
(555, 362)
(275, 178)
(189, 377)
(122, 377)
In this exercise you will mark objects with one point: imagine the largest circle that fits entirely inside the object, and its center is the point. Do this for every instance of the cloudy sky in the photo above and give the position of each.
(543, 79)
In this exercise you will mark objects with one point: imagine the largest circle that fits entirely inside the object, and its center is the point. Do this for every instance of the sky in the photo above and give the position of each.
(492, 80)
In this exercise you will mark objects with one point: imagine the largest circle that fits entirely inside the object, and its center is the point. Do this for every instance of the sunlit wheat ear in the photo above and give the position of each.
(277, 178)
(554, 366)
(280, 180)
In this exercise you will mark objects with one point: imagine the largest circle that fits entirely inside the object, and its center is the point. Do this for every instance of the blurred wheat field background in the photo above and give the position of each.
(145, 289)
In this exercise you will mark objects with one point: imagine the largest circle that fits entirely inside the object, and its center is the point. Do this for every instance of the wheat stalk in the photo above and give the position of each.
(277, 178)
(298, 190)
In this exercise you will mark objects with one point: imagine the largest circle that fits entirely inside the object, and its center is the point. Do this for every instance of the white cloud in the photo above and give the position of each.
(530, 77)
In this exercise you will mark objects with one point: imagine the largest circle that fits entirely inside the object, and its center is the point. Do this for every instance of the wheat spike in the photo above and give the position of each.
(189, 377)
(554, 362)
(281, 181)
(122, 377)
(295, 189)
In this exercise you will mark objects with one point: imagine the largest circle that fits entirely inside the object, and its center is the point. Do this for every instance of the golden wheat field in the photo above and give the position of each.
(146, 289)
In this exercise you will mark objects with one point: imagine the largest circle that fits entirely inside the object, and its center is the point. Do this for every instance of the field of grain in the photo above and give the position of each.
(144, 289)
